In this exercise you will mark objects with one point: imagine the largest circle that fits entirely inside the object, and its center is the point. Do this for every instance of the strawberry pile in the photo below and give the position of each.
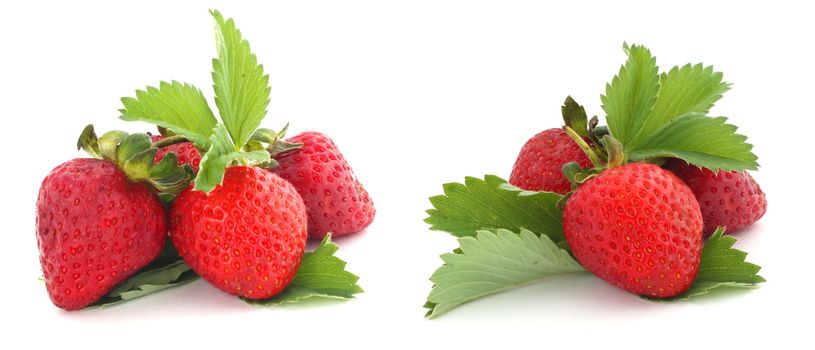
(221, 199)
(642, 203)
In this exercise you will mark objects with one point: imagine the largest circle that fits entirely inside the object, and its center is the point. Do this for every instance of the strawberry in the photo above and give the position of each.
(185, 151)
(539, 164)
(335, 200)
(99, 221)
(95, 228)
(638, 227)
(246, 237)
(731, 199)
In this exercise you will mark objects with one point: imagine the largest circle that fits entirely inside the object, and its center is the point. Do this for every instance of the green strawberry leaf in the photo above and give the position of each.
(699, 140)
(176, 106)
(166, 271)
(321, 275)
(492, 204)
(721, 266)
(221, 154)
(656, 116)
(690, 89)
(492, 262)
(241, 89)
(631, 95)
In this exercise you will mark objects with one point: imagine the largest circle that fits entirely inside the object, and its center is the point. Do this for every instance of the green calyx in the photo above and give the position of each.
(585, 134)
(274, 141)
(134, 154)
(583, 131)
(574, 117)
(614, 152)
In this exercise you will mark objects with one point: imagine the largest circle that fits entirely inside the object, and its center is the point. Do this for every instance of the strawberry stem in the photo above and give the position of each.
(595, 159)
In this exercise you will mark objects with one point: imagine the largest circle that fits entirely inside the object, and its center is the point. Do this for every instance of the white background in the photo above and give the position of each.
(416, 94)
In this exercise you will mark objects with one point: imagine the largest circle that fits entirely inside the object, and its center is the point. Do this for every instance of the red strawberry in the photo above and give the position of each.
(638, 227)
(95, 228)
(540, 163)
(185, 151)
(335, 200)
(246, 237)
(731, 199)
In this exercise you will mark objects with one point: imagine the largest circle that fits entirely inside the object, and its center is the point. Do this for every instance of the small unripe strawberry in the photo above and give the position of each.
(731, 199)
(638, 227)
(246, 237)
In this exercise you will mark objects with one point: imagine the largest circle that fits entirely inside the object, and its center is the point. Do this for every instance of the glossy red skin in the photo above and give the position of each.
(184, 151)
(246, 237)
(539, 166)
(95, 228)
(335, 200)
(638, 227)
(731, 199)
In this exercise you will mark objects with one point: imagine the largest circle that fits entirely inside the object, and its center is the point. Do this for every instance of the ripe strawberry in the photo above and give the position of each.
(540, 162)
(335, 200)
(638, 227)
(95, 228)
(731, 199)
(185, 151)
(246, 237)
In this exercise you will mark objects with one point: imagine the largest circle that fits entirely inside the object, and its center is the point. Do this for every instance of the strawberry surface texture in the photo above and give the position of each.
(335, 200)
(246, 237)
(95, 228)
(731, 199)
(184, 151)
(637, 226)
(539, 164)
